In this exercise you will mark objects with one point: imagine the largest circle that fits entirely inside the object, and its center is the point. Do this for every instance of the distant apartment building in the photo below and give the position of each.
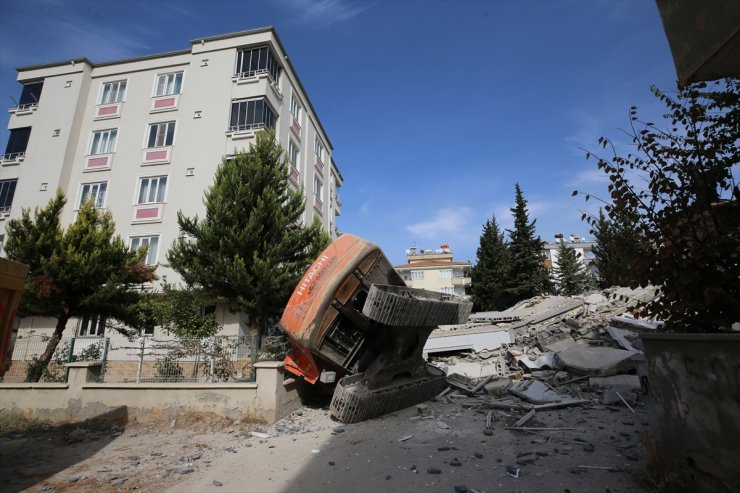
(584, 252)
(142, 137)
(435, 270)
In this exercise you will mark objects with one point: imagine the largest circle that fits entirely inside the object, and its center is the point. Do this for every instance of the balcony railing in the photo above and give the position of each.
(461, 281)
(24, 108)
(247, 127)
(5, 209)
(13, 157)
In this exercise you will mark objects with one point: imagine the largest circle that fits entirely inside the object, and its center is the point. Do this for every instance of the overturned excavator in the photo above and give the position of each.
(353, 323)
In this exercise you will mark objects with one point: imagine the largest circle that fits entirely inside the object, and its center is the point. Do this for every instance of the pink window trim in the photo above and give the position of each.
(156, 155)
(97, 162)
(164, 103)
(148, 213)
(296, 128)
(294, 175)
(108, 110)
(320, 167)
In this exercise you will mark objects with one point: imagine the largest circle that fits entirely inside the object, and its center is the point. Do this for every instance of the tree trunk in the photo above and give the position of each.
(38, 366)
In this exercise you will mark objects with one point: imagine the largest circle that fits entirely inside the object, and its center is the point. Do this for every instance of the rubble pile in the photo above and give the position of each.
(525, 356)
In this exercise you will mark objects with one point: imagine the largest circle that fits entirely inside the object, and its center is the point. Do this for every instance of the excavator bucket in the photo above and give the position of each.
(352, 317)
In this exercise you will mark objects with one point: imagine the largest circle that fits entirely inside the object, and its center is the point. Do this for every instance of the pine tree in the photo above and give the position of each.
(618, 243)
(571, 276)
(488, 276)
(528, 276)
(250, 250)
(84, 271)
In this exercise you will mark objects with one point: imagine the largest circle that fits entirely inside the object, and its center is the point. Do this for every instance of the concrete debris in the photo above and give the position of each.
(629, 382)
(600, 361)
(498, 386)
(537, 392)
(543, 361)
(626, 338)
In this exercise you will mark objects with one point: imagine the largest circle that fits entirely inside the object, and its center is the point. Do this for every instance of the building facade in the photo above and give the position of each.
(584, 252)
(435, 270)
(142, 137)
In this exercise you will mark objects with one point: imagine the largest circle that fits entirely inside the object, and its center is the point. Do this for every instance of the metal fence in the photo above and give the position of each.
(140, 360)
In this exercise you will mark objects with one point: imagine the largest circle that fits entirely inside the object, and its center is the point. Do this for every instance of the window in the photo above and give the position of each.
(151, 243)
(254, 61)
(104, 141)
(295, 108)
(447, 290)
(94, 192)
(91, 326)
(293, 154)
(319, 149)
(31, 94)
(168, 84)
(7, 192)
(250, 114)
(445, 274)
(17, 143)
(417, 275)
(113, 92)
(318, 187)
(161, 134)
(152, 190)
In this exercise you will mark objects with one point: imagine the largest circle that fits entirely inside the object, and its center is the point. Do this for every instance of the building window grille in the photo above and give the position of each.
(152, 190)
(161, 134)
(17, 143)
(152, 245)
(168, 84)
(104, 141)
(7, 192)
(94, 192)
(113, 92)
(255, 61)
(251, 114)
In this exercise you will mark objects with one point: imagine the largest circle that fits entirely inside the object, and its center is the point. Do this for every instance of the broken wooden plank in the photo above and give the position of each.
(557, 405)
(524, 418)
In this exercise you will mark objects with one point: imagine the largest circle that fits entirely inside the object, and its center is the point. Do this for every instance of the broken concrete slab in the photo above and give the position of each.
(625, 338)
(612, 395)
(634, 323)
(556, 342)
(458, 338)
(544, 361)
(497, 386)
(597, 361)
(631, 382)
(538, 392)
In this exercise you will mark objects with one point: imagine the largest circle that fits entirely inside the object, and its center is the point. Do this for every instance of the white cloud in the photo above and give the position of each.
(447, 225)
(323, 13)
(587, 177)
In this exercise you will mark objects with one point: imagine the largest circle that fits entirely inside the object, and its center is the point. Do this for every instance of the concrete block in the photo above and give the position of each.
(631, 382)
(497, 386)
(599, 361)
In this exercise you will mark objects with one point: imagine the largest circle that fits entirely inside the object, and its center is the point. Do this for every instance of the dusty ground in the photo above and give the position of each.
(307, 451)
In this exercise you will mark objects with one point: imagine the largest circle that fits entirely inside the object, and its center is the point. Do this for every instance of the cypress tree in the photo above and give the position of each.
(250, 249)
(528, 277)
(618, 244)
(571, 276)
(488, 276)
(84, 271)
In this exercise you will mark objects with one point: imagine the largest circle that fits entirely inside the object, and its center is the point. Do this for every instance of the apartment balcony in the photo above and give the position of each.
(23, 109)
(12, 158)
(461, 281)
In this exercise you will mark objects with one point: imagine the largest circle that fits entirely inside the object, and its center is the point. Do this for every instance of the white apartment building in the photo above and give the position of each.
(584, 252)
(435, 270)
(143, 136)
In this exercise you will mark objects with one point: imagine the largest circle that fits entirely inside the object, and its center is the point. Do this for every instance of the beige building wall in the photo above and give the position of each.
(435, 270)
(70, 110)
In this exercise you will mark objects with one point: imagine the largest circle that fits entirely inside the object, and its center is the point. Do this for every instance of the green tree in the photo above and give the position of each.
(84, 271)
(528, 275)
(617, 244)
(250, 249)
(571, 276)
(178, 311)
(489, 275)
(676, 186)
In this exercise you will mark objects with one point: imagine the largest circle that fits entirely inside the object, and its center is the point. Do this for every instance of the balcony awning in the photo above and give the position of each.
(704, 37)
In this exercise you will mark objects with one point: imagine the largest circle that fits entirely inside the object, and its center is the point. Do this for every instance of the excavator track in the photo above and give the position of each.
(353, 402)
(400, 306)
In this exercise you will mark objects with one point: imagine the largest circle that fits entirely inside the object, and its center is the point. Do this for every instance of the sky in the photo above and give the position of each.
(435, 108)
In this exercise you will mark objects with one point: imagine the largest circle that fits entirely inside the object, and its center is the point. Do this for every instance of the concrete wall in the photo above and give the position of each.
(694, 382)
(268, 399)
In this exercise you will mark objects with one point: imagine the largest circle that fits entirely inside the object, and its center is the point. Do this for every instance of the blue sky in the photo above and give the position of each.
(435, 108)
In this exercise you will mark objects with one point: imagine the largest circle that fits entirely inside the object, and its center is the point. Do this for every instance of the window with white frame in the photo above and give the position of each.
(417, 275)
(293, 154)
(447, 290)
(250, 114)
(319, 149)
(94, 192)
(91, 326)
(161, 134)
(295, 108)
(258, 60)
(445, 273)
(152, 245)
(104, 141)
(7, 192)
(152, 190)
(318, 187)
(168, 84)
(113, 92)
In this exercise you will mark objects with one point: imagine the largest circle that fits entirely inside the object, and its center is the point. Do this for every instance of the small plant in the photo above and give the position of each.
(168, 370)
